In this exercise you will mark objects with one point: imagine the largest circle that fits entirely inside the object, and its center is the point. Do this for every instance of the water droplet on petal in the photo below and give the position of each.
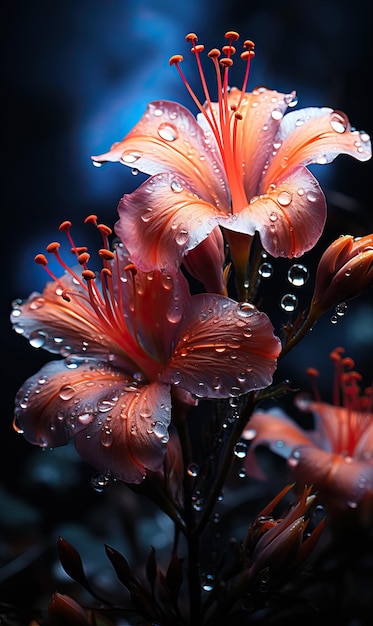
(168, 132)
(338, 123)
(130, 157)
(284, 198)
(192, 470)
(147, 214)
(245, 309)
(176, 186)
(66, 392)
(341, 309)
(37, 339)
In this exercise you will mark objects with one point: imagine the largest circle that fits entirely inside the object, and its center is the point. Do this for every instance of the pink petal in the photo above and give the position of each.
(168, 139)
(224, 349)
(161, 220)
(342, 481)
(289, 217)
(133, 437)
(118, 426)
(315, 135)
(277, 432)
(262, 112)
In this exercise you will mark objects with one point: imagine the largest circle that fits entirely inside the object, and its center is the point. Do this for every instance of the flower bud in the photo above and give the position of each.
(345, 271)
(205, 263)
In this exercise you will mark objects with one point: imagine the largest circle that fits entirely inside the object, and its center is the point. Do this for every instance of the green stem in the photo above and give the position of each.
(294, 337)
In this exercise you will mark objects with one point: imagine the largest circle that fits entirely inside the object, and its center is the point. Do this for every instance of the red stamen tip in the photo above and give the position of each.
(88, 275)
(232, 35)
(106, 230)
(91, 219)
(175, 59)
(248, 44)
(214, 53)
(53, 247)
(191, 37)
(83, 258)
(226, 62)
(313, 372)
(41, 259)
(106, 254)
(248, 54)
(199, 48)
(65, 226)
(228, 50)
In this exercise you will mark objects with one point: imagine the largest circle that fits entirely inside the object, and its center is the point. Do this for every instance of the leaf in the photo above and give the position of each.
(71, 562)
(174, 576)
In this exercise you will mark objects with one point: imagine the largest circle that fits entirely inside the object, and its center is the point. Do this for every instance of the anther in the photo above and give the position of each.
(88, 275)
(175, 59)
(313, 372)
(348, 362)
(214, 53)
(198, 48)
(65, 226)
(238, 116)
(65, 296)
(247, 54)
(53, 247)
(226, 62)
(191, 37)
(249, 44)
(106, 271)
(232, 35)
(91, 219)
(41, 259)
(131, 268)
(108, 255)
(228, 50)
(105, 230)
(83, 258)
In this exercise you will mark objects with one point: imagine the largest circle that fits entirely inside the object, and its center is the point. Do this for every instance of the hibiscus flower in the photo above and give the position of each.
(336, 456)
(128, 338)
(240, 165)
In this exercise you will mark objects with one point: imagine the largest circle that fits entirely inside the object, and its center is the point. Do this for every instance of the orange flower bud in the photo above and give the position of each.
(345, 271)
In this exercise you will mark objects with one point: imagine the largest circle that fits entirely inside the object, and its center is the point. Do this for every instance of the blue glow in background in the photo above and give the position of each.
(76, 76)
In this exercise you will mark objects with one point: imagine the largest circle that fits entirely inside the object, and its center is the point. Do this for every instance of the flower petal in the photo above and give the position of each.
(289, 217)
(163, 219)
(117, 425)
(168, 139)
(315, 135)
(224, 349)
(277, 432)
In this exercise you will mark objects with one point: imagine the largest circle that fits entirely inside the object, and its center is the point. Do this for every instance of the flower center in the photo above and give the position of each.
(355, 404)
(223, 117)
(113, 313)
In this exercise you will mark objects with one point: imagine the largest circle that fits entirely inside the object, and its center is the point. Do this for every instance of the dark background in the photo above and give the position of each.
(76, 75)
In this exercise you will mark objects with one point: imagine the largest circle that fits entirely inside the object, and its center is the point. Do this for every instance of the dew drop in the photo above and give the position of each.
(176, 186)
(298, 275)
(100, 481)
(130, 157)
(289, 302)
(341, 309)
(160, 430)
(182, 237)
(265, 270)
(207, 582)
(334, 319)
(284, 198)
(277, 114)
(245, 309)
(37, 339)
(192, 470)
(240, 450)
(66, 392)
(338, 123)
(311, 196)
(174, 313)
(167, 132)
(106, 437)
(147, 214)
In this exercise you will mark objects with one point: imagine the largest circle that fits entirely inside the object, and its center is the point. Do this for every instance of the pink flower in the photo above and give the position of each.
(241, 165)
(127, 338)
(336, 457)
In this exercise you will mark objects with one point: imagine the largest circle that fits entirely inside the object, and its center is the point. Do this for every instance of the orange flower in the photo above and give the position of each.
(127, 338)
(241, 165)
(345, 271)
(337, 455)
